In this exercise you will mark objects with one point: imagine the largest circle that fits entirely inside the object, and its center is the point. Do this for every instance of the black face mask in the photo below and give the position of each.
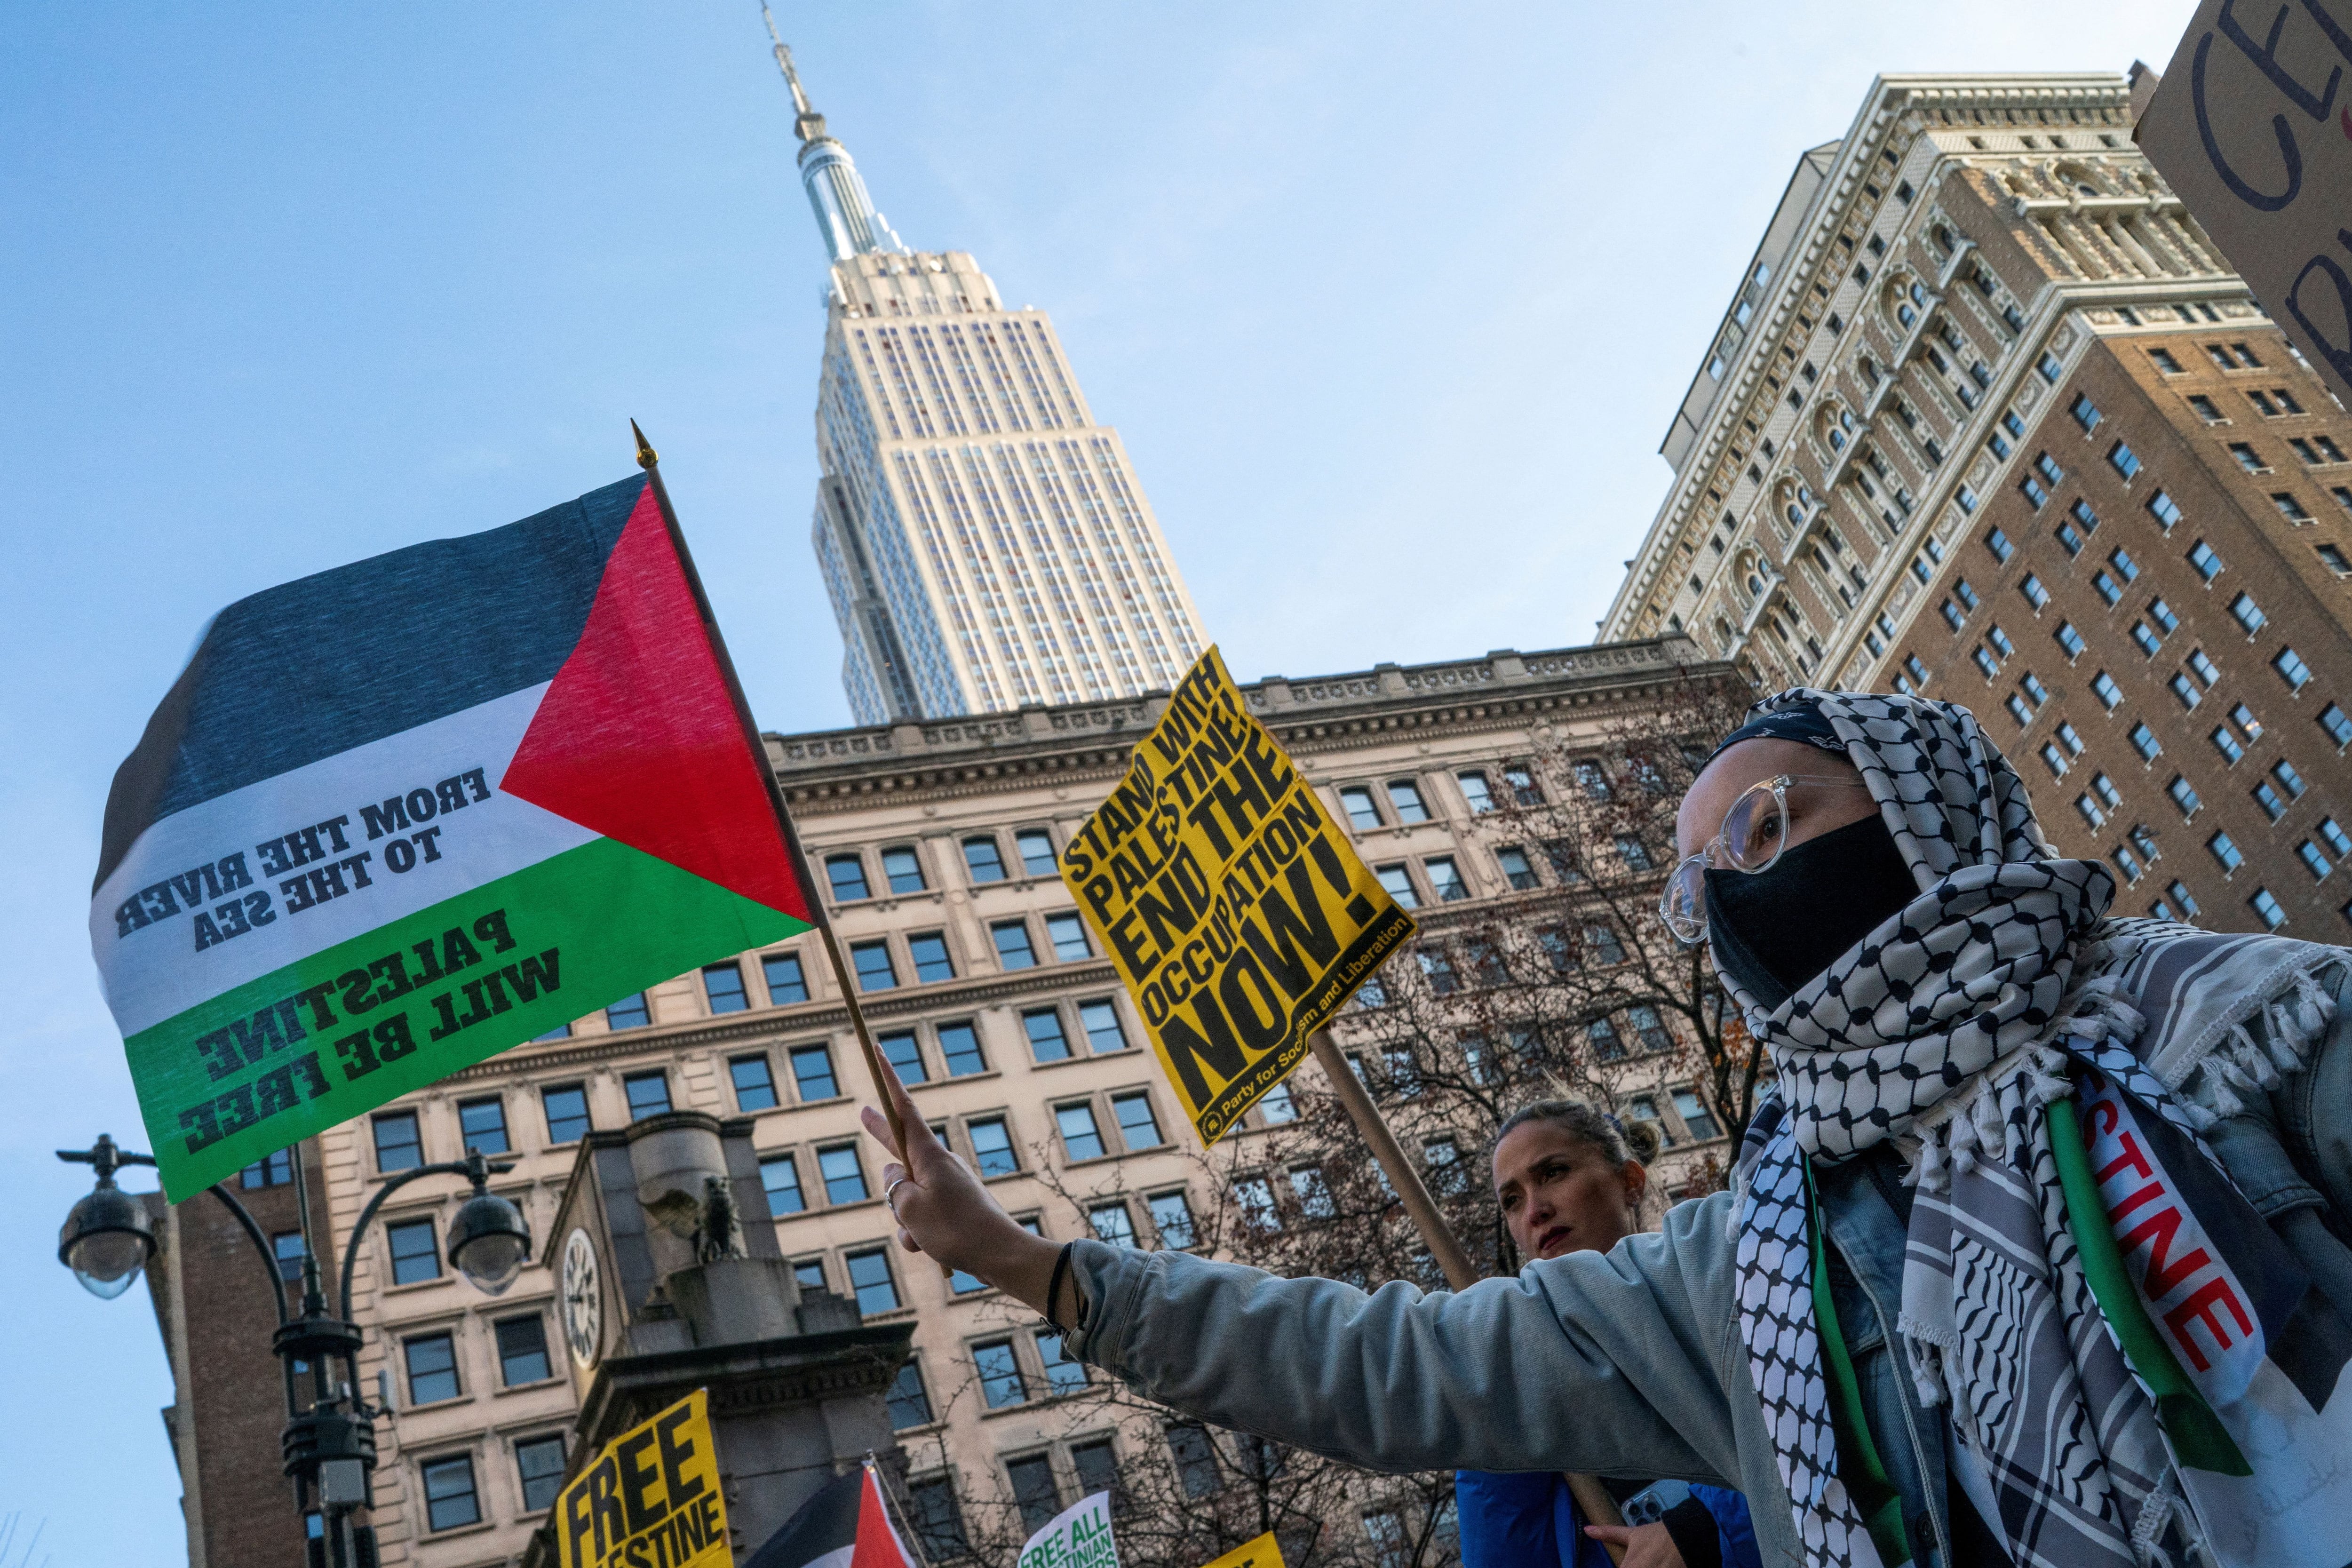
(1775, 930)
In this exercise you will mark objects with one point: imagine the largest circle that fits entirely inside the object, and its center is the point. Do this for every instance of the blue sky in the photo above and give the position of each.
(1361, 284)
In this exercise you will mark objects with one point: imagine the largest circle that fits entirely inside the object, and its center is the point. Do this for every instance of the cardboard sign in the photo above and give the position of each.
(1077, 1537)
(2252, 126)
(1234, 908)
(651, 1497)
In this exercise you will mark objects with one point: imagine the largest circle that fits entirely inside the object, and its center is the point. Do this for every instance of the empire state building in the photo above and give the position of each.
(984, 540)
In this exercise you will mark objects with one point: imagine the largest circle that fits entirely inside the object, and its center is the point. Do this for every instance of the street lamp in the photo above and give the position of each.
(329, 1447)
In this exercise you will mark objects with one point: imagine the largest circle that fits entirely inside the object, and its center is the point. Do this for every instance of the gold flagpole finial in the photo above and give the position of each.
(647, 457)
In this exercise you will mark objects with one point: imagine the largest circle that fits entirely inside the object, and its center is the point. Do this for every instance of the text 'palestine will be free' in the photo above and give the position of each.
(1235, 909)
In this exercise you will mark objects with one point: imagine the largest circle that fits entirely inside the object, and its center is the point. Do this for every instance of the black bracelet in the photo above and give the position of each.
(1060, 1269)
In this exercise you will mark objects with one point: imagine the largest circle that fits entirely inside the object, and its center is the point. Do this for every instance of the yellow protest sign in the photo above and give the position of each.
(650, 1499)
(1234, 908)
(1263, 1552)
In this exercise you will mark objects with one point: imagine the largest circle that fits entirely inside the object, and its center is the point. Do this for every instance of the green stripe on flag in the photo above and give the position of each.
(372, 1018)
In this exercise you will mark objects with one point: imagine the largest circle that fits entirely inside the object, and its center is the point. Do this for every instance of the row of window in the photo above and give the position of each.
(847, 872)
(948, 1050)
(1400, 803)
(453, 1496)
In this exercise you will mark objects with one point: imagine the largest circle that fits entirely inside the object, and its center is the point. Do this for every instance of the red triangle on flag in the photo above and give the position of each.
(637, 738)
(879, 1545)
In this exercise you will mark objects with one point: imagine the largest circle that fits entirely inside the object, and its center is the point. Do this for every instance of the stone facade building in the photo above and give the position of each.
(936, 845)
(1990, 419)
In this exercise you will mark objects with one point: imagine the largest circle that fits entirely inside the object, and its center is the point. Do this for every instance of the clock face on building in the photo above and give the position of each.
(583, 1300)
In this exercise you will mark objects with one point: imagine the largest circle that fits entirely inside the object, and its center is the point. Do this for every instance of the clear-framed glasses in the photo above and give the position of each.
(1755, 832)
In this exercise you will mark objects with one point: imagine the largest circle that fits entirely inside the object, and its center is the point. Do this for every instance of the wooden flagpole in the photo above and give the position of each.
(1592, 1500)
(649, 460)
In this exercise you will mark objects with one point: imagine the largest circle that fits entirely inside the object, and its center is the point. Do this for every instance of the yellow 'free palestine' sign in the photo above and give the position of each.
(1234, 908)
(650, 1498)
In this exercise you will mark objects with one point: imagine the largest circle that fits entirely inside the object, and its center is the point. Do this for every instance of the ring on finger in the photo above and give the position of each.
(891, 1189)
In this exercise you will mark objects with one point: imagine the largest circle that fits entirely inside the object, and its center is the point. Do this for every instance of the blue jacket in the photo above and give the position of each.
(1529, 1520)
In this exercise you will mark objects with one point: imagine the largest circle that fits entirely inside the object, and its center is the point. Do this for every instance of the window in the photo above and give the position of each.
(628, 1012)
(1445, 879)
(2035, 594)
(567, 1112)
(416, 1254)
(2184, 796)
(755, 1084)
(2181, 895)
(1275, 1107)
(2289, 780)
(1035, 848)
(1404, 798)
(482, 1124)
(1437, 969)
(1601, 1036)
(960, 1049)
(812, 1077)
(2267, 909)
(2145, 743)
(845, 1178)
(2090, 812)
(2104, 788)
(1067, 933)
(1105, 1033)
(1081, 1139)
(1474, 792)
(287, 1247)
(2035, 692)
(2248, 613)
(780, 1177)
(2068, 638)
(909, 1401)
(1695, 1114)
(1047, 1043)
(2036, 494)
(847, 874)
(1362, 812)
(808, 1273)
(2291, 669)
(2332, 718)
(2086, 412)
(2246, 358)
(1064, 1373)
(2146, 641)
(1013, 949)
(1196, 1461)
(2227, 744)
(2165, 362)
(2129, 864)
(722, 987)
(1649, 1028)
(2124, 460)
(870, 1282)
(2018, 710)
(2054, 759)
(2069, 738)
(999, 1380)
(903, 870)
(648, 1094)
(2243, 716)
(929, 948)
(2107, 588)
(993, 1154)
(1966, 594)
(905, 1055)
(1171, 1218)
(538, 1461)
(2248, 458)
(785, 982)
(450, 1500)
(2103, 687)
(397, 1147)
(1254, 1197)
(2070, 540)
(1996, 542)
(2335, 836)
(2144, 841)
(983, 860)
(875, 971)
(1137, 1126)
(1399, 885)
(937, 1521)
(2225, 851)
(2208, 564)
(2203, 668)
(522, 1351)
(2050, 368)
(2312, 860)
(1112, 1223)
(271, 1171)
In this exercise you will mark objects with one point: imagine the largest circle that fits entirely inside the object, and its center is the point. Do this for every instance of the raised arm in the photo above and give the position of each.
(1607, 1364)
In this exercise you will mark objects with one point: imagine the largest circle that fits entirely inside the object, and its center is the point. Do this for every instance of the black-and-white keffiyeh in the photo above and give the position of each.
(1951, 1029)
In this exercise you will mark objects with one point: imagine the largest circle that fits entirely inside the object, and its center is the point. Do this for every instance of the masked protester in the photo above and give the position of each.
(2032, 1252)
(1569, 1178)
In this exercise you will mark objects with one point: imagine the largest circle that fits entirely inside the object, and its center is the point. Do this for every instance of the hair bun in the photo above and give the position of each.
(1642, 1138)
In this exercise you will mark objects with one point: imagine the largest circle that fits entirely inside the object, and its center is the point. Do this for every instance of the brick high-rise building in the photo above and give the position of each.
(1990, 418)
(984, 540)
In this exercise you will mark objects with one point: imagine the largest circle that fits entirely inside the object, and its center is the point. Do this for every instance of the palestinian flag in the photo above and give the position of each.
(844, 1525)
(395, 817)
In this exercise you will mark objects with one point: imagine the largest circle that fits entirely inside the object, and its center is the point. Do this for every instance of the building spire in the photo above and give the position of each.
(846, 218)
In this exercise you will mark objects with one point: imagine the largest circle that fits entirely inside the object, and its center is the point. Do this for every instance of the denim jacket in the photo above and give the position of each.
(1628, 1362)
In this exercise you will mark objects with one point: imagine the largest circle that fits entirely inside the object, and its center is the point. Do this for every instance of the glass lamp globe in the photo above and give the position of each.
(489, 1242)
(106, 1240)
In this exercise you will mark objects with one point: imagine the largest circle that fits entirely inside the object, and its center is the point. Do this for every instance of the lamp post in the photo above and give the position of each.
(330, 1446)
